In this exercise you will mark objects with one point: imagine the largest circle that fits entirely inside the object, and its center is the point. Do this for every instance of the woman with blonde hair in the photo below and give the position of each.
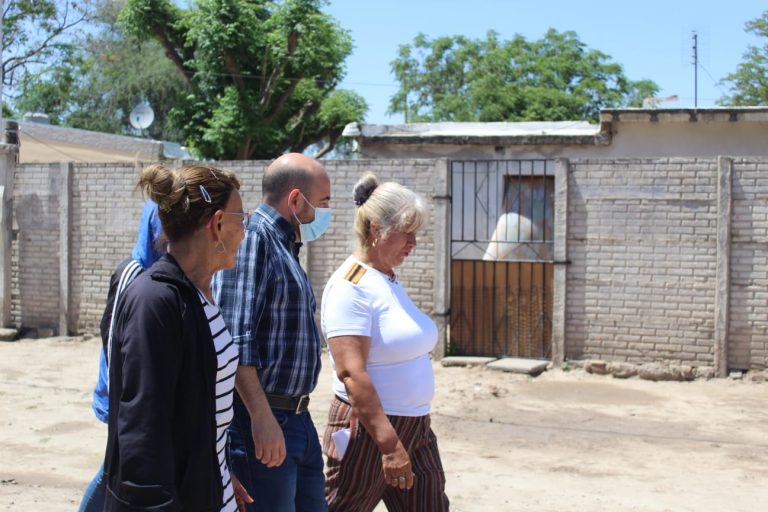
(378, 440)
(172, 361)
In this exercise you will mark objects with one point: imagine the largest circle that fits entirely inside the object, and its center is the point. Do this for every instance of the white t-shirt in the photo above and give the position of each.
(361, 301)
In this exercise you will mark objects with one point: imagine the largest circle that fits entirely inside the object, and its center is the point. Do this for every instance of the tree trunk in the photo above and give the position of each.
(244, 152)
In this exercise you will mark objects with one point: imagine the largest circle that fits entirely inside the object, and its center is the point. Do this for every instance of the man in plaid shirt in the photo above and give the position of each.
(269, 306)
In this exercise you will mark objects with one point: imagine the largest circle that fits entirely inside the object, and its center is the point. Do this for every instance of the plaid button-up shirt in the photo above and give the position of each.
(269, 306)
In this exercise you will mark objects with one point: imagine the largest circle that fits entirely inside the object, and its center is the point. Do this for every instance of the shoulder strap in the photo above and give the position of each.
(355, 273)
(128, 274)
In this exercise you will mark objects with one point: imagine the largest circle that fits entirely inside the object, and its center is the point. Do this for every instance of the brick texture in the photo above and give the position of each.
(105, 209)
(35, 250)
(748, 327)
(642, 240)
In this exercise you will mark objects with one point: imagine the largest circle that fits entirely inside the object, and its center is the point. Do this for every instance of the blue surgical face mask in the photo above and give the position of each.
(315, 229)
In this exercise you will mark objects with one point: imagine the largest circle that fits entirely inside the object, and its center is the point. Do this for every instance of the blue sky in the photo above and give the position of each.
(650, 39)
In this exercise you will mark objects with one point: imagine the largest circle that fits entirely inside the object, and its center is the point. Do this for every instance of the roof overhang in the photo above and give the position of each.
(560, 133)
(684, 115)
(485, 134)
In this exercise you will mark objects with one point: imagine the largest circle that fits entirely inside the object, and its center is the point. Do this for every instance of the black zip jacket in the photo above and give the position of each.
(161, 446)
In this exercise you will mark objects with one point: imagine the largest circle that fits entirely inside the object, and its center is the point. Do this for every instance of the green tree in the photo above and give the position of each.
(50, 90)
(552, 79)
(96, 84)
(748, 85)
(261, 76)
(38, 31)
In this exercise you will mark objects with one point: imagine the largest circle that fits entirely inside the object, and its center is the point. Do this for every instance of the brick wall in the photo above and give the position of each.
(105, 210)
(35, 250)
(325, 255)
(642, 241)
(748, 315)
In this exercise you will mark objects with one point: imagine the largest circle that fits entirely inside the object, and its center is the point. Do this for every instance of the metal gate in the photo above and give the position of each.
(502, 243)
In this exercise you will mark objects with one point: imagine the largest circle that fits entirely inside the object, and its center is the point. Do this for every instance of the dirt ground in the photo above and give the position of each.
(564, 441)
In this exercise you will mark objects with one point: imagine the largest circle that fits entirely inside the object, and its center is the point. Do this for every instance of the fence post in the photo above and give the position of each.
(722, 296)
(442, 255)
(561, 256)
(8, 157)
(65, 225)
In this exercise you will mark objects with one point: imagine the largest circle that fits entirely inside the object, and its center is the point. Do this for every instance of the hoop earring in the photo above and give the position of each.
(220, 249)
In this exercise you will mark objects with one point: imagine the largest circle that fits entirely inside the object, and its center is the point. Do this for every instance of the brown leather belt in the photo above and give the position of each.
(295, 404)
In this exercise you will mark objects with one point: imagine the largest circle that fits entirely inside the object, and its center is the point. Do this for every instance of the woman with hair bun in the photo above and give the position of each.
(150, 245)
(172, 361)
(378, 440)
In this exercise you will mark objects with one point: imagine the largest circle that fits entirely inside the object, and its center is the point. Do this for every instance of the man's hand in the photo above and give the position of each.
(268, 440)
(267, 435)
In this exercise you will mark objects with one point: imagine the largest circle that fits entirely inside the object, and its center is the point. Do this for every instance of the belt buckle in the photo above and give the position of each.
(302, 404)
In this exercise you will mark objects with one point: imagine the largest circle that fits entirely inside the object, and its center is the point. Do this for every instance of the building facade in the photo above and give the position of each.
(542, 254)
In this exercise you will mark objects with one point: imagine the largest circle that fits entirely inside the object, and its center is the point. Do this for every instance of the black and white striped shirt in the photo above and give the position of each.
(227, 358)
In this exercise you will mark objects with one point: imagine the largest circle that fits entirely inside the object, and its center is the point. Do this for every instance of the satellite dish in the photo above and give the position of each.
(141, 116)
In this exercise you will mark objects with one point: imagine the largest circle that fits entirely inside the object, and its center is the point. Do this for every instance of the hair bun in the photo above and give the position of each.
(159, 184)
(364, 188)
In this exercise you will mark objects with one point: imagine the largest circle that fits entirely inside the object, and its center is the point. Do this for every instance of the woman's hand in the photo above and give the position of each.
(350, 353)
(241, 494)
(397, 468)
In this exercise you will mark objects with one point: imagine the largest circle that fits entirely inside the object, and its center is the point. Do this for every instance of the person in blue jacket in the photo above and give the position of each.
(150, 245)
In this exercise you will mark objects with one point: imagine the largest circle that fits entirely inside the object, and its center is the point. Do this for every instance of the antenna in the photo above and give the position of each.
(142, 116)
(695, 69)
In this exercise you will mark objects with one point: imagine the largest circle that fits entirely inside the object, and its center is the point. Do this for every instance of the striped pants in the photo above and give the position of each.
(356, 483)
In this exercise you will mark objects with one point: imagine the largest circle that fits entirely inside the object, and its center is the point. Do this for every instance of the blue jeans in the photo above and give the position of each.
(298, 484)
(93, 498)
